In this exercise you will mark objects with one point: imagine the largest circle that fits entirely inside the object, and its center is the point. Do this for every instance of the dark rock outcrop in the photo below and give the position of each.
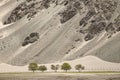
(98, 14)
(33, 37)
(67, 14)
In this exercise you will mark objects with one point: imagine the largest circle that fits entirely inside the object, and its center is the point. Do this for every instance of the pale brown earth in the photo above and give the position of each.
(57, 76)
(68, 30)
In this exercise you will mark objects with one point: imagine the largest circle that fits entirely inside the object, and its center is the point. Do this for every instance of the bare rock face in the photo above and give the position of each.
(99, 16)
(28, 8)
(67, 14)
(64, 30)
(22, 10)
(33, 37)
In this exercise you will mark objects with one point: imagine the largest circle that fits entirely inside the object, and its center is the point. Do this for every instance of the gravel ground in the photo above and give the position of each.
(54, 76)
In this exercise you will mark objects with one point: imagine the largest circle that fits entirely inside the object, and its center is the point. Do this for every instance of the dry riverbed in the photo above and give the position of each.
(58, 76)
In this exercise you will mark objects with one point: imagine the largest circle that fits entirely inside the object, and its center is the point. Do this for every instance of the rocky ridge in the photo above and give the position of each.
(68, 29)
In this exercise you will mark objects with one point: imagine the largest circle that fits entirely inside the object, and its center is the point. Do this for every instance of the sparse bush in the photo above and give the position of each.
(79, 67)
(55, 67)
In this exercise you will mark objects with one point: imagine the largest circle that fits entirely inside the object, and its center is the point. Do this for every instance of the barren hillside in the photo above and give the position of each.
(47, 31)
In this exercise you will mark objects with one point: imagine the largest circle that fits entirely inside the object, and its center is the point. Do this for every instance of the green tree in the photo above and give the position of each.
(42, 68)
(66, 66)
(55, 67)
(33, 67)
(79, 67)
(83, 68)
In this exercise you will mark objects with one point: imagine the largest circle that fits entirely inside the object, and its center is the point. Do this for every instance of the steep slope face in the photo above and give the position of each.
(67, 29)
(2, 2)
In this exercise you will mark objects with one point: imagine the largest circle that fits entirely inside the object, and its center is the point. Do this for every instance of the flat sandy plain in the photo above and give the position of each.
(59, 76)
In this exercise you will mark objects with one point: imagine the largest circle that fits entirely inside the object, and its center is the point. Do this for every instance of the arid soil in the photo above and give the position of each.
(53, 76)
(67, 30)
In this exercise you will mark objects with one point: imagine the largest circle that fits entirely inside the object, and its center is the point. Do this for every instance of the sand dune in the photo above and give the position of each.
(91, 63)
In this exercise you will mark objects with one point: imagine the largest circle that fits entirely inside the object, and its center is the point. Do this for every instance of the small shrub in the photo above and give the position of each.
(79, 67)
(55, 67)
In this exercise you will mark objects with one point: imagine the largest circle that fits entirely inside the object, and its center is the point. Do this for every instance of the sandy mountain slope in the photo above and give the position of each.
(66, 30)
(91, 63)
